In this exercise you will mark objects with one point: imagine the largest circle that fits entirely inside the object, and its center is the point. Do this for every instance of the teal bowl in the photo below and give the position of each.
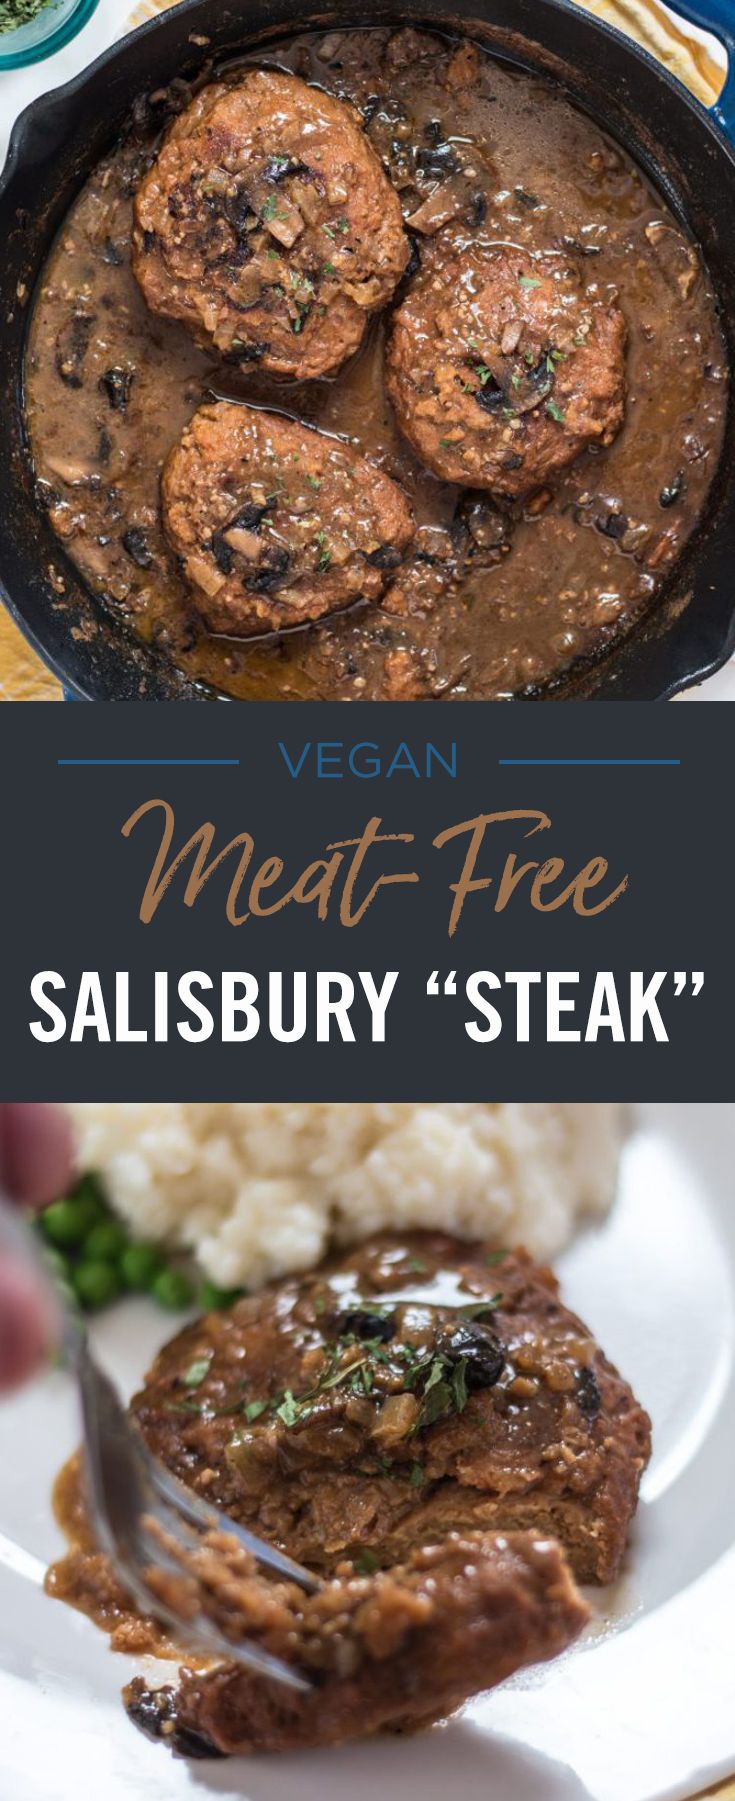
(53, 26)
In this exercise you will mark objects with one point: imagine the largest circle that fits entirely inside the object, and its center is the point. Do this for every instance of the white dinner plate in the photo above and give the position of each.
(641, 1710)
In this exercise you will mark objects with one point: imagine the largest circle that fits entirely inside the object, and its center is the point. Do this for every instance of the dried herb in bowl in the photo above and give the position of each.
(15, 13)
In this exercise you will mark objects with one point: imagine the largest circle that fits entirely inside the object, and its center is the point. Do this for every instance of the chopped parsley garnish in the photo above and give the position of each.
(325, 554)
(437, 1395)
(197, 1372)
(328, 269)
(254, 1409)
(417, 1477)
(270, 208)
(528, 281)
(328, 231)
(484, 373)
(458, 1385)
(290, 1411)
(320, 1305)
(343, 224)
(365, 1562)
(314, 482)
(446, 444)
(494, 1257)
(555, 412)
(482, 1309)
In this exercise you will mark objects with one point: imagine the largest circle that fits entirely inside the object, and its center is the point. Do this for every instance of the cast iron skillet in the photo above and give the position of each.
(60, 137)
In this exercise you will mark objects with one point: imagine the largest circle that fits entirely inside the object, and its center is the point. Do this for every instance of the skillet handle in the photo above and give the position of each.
(717, 16)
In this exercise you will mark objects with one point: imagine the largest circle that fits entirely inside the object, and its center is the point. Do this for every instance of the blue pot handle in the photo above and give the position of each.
(717, 16)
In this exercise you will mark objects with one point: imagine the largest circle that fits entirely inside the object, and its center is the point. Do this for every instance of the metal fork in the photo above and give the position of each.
(128, 1488)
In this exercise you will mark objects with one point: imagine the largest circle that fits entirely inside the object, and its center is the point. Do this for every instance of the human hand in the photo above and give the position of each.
(35, 1167)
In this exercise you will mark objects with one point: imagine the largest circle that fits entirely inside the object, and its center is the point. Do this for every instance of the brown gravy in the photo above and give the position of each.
(583, 563)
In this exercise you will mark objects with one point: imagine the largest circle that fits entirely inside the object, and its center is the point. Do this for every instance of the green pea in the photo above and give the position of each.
(95, 1283)
(172, 1289)
(212, 1299)
(66, 1223)
(106, 1242)
(139, 1266)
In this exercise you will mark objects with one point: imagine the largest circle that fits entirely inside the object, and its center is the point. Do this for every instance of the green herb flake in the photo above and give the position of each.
(417, 1477)
(365, 1562)
(555, 412)
(314, 482)
(484, 373)
(325, 554)
(289, 1411)
(343, 224)
(197, 1372)
(446, 444)
(459, 1385)
(270, 208)
(328, 269)
(481, 1309)
(327, 229)
(494, 1257)
(528, 281)
(320, 1305)
(437, 1395)
(254, 1409)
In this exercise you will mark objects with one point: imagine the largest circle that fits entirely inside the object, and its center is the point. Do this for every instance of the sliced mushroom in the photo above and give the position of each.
(246, 544)
(443, 204)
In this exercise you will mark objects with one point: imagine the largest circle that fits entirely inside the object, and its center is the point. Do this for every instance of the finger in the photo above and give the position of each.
(26, 1325)
(35, 1151)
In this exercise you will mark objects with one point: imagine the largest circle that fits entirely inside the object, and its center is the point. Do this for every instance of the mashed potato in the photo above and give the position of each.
(259, 1189)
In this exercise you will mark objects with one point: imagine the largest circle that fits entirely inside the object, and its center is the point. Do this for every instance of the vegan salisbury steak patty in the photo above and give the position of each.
(503, 366)
(395, 1649)
(266, 224)
(275, 523)
(411, 1388)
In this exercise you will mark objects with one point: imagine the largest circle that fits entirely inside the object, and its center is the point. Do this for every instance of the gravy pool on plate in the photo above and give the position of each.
(500, 592)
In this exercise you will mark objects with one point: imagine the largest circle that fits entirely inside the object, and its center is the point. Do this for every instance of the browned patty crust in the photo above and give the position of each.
(277, 524)
(395, 1650)
(548, 1437)
(267, 224)
(503, 366)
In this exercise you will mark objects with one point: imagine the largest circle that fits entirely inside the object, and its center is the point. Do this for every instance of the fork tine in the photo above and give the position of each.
(200, 1513)
(202, 1636)
(121, 1489)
